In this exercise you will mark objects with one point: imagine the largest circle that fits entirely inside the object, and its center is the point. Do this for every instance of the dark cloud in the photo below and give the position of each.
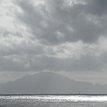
(97, 7)
(72, 24)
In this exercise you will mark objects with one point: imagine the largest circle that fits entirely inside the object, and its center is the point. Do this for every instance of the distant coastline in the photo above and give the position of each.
(53, 94)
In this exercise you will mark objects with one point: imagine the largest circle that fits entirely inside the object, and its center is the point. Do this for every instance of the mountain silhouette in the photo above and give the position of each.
(49, 83)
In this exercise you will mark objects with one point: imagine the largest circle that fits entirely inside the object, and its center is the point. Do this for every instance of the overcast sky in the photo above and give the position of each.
(53, 35)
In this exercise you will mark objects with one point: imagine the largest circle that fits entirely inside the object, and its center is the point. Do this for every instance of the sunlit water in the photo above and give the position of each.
(53, 101)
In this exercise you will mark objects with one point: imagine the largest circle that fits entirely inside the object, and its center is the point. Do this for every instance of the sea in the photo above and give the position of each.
(53, 100)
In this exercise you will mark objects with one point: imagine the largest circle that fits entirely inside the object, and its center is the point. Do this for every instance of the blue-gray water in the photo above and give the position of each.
(53, 101)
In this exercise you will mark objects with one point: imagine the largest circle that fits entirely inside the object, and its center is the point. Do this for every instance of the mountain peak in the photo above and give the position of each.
(48, 83)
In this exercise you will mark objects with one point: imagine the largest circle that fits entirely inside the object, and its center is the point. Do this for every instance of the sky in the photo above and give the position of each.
(62, 36)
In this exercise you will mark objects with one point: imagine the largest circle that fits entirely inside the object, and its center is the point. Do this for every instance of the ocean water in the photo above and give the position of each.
(53, 101)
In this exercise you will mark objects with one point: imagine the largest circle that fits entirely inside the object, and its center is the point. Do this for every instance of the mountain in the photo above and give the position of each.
(49, 83)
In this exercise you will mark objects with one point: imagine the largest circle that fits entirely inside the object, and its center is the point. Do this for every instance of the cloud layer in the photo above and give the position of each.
(53, 35)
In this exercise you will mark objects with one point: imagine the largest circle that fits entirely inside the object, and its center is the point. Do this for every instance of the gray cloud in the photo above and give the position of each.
(97, 7)
(55, 29)
(54, 23)
(41, 63)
